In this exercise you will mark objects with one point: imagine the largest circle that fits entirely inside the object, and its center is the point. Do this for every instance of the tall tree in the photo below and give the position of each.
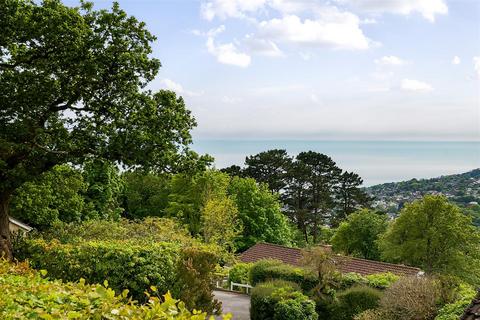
(322, 177)
(349, 196)
(358, 235)
(296, 196)
(436, 236)
(269, 167)
(260, 214)
(73, 88)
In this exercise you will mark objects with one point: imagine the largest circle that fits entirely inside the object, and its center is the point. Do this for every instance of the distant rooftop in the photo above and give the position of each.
(346, 264)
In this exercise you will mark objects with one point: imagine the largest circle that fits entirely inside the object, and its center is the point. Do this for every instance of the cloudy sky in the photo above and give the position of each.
(317, 69)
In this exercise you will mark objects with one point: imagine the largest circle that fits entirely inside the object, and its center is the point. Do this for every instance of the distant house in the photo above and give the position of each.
(473, 310)
(16, 226)
(346, 264)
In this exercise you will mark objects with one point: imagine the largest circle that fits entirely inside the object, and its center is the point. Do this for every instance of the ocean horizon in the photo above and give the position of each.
(375, 161)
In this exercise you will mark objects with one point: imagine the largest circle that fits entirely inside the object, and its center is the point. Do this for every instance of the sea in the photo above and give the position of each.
(375, 161)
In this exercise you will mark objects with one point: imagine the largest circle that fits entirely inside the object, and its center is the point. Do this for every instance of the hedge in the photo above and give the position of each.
(378, 280)
(26, 294)
(454, 310)
(265, 270)
(354, 301)
(280, 300)
(127, 265)
(239, 273)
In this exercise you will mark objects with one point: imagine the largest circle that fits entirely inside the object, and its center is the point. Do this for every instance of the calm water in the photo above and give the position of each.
(375, 161)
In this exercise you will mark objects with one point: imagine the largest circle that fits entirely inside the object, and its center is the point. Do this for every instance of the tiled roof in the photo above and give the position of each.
(345, 264)
(473, 310)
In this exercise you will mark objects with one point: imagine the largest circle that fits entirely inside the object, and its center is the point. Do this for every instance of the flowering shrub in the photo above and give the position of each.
(27, 294)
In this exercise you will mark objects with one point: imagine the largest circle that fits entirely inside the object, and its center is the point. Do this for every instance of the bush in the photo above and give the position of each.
(123, 264)
(26, 294)
(381, 280)
(355, 300)
(278, 300)
(144, 231)
(188, 271)
(195, 278)
(296, 307)
(265, 270)
(239, 273)
(410, 298)
(454, 310)
(378, 280)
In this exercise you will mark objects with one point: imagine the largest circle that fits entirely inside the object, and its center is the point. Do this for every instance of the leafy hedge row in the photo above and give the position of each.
(186, 271)
(378, 281)
(280, 300)
(265, 270)
(25, 294)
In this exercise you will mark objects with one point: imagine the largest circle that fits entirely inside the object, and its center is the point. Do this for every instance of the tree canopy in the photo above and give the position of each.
(359, 233)
(74, 88)
(436, 236)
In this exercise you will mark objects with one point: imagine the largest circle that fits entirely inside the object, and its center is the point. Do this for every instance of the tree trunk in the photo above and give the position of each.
(6, 249)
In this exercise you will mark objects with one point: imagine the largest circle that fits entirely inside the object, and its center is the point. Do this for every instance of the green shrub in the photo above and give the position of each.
(144, 231)
(187, 271)
(278, 299)
(123, 264)
(195, 278)
(25, 294)
(377, 280)
(355, 300)
(381, 280)
(454, 310)
(265, 270)
(296, 307)
(239, 273)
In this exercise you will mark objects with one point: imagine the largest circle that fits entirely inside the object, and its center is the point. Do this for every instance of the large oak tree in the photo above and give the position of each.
(73, 87)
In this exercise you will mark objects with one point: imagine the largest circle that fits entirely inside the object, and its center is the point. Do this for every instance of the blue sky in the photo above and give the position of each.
(320, 70)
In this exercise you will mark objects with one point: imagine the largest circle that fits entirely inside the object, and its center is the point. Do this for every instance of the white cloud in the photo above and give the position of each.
(332, 28)
(390, 61)
(476, 65)
(415, 85)
(314, 98)
(427, 8)
(228, 53)
(230, 100)
(262, 47)
(456, 60)
(178, 88)
(229, 8)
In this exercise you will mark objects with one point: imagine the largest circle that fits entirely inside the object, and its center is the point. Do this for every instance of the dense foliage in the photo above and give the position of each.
(265, 270)
(259, 211)
(240, 272)
(26, 294)
(129, 255)
(410, 298)
(354, 301)
(434, 235)
(313, 189)
(280, 300)
(378, 280)
(73, 89)
(455, 309)
(358, 234)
